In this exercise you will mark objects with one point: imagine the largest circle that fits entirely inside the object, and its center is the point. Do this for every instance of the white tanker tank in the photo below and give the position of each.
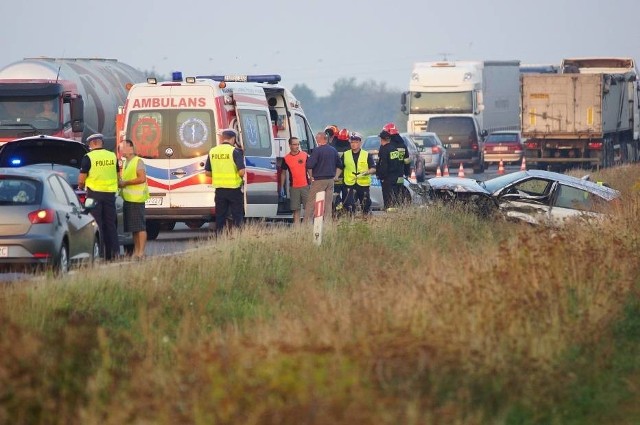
(65, 97)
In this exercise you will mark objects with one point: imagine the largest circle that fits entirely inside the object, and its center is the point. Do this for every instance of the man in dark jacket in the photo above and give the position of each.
(388, 170)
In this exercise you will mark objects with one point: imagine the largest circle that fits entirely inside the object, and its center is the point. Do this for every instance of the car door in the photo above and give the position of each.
(78, 225)
(571, 202)
(527, 200)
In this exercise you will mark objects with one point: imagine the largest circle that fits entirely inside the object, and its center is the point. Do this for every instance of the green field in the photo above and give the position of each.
(427, 316)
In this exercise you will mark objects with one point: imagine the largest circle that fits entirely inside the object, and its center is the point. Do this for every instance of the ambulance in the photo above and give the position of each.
(174, 124)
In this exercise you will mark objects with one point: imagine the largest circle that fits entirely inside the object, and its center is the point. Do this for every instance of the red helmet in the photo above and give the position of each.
(390, 128)
(331, 130)
(343, 134)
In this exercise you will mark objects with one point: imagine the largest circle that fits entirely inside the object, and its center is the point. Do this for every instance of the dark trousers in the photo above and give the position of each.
(229, 199)
(389, 192)
(107, 220)
(357, 193)
(340, 193)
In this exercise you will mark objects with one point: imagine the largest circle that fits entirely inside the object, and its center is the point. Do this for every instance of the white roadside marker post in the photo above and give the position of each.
(318, 218)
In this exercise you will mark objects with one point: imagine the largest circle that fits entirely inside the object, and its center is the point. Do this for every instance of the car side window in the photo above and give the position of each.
(533, 187)
(57, 190)
(72, 198)
(571, 197)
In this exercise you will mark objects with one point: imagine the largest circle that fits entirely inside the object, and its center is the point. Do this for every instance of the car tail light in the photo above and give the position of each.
(435, 149)
(531, 145)
(474, 146)
(41, 216)
(82, 196)
(596, 145)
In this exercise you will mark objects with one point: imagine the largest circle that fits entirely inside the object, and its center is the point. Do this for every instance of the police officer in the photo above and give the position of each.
(358, 167)
(225, 166)
(99, 176)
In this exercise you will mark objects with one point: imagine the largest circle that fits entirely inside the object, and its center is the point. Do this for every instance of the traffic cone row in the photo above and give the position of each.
(501, 167)
(438, 172)
(461, 171)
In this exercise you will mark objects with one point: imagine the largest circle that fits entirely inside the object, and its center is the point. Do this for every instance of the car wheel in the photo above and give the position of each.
(95, 252)
(62, 262)
(153, 230)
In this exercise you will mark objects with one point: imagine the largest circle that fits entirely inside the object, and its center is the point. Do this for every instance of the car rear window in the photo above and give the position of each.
(461, 126)
(371, 143)
(425, 141)
(42, 152)
(503, 138)
(19, 191)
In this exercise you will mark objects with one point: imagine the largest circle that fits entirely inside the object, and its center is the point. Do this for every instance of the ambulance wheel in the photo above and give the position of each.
(153, 230)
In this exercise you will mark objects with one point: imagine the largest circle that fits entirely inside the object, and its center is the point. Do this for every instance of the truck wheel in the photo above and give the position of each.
(167, 225)
(153, 230)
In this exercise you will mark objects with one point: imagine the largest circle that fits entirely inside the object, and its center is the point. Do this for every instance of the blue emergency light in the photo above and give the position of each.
(16, 161)
(266, 78)
(176, 76)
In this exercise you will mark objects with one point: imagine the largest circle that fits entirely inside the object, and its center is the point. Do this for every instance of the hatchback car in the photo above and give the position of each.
(372, 145)
(63, 156)
(533, 196)
(432, 151)
(42, 222)
(505, 146)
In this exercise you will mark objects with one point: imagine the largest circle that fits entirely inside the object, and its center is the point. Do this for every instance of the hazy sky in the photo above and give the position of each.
(317, 42)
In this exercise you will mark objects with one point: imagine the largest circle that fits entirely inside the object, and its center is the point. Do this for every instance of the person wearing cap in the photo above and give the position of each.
(358, 167)
(324, 167)
(135, 192)
(388, 170)
(225, 166)
(99, 171)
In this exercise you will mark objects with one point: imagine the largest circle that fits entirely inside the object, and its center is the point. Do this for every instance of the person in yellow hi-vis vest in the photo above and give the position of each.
(99, 175)
(135, 191)
(358, 168)
(225, 166)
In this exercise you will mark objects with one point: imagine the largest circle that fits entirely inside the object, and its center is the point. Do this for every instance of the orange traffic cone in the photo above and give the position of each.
(438, 172)
(461, 171)
(501, 168)
(413, 178)
(523, 167)
(446, 170)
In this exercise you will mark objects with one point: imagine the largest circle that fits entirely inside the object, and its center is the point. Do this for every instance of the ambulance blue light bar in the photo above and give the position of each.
(176, 76)
(266, 78)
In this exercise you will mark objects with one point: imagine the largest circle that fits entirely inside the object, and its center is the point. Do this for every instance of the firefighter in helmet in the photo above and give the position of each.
(403, 157)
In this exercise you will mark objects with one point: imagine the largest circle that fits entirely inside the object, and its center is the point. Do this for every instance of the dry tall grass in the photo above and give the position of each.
(427, 316)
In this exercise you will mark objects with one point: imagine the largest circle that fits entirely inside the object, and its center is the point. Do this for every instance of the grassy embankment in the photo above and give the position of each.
(420, 317)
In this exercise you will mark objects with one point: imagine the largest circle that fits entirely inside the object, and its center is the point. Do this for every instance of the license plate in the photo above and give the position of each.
(4, 251)
(500, 148)
(454, 145)
(154, 201)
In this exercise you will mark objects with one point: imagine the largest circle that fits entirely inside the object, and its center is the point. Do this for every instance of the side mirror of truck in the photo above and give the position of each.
(77, 114)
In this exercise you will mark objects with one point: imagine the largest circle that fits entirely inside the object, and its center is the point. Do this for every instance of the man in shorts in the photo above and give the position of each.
(295, 162)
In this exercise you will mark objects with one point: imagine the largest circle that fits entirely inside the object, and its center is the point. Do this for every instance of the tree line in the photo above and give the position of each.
(364, 107)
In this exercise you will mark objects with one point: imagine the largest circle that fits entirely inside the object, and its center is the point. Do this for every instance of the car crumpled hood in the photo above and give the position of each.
(456, 184)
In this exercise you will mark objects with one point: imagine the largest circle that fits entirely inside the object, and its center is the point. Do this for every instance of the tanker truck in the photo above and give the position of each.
(64, 97)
